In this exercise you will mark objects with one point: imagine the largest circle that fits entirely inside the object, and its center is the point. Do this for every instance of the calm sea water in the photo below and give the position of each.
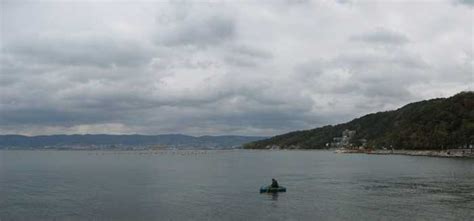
(224, 185)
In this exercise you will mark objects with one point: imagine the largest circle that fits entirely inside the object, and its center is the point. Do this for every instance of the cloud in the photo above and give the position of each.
(382, 36)
(223, 68)
(244, 56)
(79, 51)
(469, 3)
(198, 30)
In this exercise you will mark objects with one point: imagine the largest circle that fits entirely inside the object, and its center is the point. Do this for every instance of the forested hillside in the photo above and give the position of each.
(432, 124)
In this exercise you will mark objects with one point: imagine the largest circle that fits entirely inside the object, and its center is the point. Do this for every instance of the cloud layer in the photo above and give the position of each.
(243, 68)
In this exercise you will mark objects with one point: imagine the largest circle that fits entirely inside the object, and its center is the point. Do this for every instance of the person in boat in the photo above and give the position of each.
(274, 184)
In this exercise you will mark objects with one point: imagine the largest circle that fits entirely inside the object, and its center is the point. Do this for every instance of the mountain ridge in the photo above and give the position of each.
(438, 123)
(14, 141)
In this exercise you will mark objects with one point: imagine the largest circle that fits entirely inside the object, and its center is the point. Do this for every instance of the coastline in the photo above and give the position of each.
(452, 153)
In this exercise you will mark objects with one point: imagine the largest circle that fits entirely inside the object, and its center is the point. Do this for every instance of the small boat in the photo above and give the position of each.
(269, 189)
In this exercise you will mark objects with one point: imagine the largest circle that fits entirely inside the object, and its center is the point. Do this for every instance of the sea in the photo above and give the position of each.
(224, 185)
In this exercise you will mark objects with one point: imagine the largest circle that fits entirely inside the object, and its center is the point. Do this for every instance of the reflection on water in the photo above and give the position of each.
(270, 196)
(223, 185)
(274, 196)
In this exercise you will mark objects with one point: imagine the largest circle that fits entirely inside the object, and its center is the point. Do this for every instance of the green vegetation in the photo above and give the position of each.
(433, 124)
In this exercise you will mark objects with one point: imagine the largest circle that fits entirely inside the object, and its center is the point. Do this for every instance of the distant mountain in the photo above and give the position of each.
(123, 141)
(432, 124)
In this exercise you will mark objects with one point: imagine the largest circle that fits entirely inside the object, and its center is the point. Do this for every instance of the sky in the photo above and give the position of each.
(224, 67)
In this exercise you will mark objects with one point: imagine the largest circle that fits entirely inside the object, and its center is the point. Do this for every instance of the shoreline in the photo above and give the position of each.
(452, 153)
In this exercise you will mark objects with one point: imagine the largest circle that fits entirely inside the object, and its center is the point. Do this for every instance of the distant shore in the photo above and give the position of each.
(452, 153)
(456, 153)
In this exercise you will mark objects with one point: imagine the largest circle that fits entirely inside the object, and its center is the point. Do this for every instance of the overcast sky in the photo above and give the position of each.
(235, 67)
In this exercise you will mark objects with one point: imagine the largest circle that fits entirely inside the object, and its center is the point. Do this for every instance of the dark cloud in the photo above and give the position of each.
(223, 68)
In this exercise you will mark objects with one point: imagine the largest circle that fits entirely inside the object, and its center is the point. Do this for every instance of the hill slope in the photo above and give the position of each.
(171, 140)
(431, 124)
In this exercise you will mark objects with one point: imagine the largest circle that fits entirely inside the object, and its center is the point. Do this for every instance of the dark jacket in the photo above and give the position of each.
(274, 183)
